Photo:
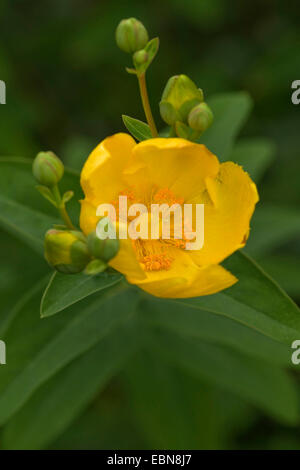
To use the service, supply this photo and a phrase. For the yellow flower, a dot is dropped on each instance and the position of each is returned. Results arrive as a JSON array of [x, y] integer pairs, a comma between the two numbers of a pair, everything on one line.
[[171, 170]]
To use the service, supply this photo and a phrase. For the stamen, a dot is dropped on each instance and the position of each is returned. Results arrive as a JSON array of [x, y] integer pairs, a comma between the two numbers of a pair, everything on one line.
[[165, 195], [156, 262]]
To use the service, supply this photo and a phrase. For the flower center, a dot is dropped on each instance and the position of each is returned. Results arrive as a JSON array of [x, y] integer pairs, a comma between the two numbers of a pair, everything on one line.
[[153, 254]]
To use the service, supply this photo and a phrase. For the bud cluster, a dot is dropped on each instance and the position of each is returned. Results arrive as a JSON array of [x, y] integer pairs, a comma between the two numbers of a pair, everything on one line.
[[70, 252], [182, 106], [67, 249], [132, 37]]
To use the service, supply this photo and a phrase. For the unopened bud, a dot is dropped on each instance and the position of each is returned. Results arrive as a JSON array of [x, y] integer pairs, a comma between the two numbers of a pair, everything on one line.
[[102, 249], [140, 57], [179, 97], [47, 169], [66, 250], [131, 35], [200, 117]]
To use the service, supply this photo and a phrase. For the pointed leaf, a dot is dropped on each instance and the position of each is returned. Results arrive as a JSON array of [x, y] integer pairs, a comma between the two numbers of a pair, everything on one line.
[[140, 130], [67, 196], [64, 290], [215, 329], [57, 403], [255, 300], [267, 387], [52, 344]]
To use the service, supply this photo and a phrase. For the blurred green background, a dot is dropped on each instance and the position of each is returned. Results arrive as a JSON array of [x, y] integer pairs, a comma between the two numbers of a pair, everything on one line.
[[66, 90]]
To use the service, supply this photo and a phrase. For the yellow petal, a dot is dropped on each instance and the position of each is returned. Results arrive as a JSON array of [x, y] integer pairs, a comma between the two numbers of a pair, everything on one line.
[[227, 213], [88, 219], [101, 177], [126, 262], [176, 164], [186, 279]]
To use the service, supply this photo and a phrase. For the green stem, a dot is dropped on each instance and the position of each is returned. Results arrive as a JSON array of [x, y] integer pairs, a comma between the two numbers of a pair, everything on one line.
[[62, 208], [146, 104]]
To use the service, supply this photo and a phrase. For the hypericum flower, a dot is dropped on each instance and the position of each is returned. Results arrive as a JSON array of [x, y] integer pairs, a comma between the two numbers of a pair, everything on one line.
[[171, 170]]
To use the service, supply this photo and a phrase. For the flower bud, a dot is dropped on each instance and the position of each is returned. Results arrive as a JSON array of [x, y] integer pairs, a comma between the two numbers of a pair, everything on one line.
[[179, 97], [47, 169], [200, 117], [131, 35], [140, 57], [66, 251], [102, 249]]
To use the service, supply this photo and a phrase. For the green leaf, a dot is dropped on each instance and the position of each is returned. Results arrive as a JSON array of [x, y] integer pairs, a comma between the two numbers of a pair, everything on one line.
[[152, 49], [25, 223], [215, 329], [285, 269], [254, 155], [230, 113], [23, 212], [265, 386], [64, 290], [67, 196], [271, 226], [140, 130], [168, 404], [131, 70], [52, 344], [12, 278], [58, 402], [255, 300]]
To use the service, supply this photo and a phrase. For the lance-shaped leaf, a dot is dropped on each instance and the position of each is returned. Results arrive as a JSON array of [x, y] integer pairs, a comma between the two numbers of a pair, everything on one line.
[[51, 344], [255, 301], [140, 130], [267, 387], [64, 290], [54, 406]]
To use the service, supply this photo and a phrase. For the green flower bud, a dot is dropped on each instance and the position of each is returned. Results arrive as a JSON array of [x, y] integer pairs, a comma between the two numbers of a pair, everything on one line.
[[131, 35], [140, 57], [168, 113], [47, 169], [102, 249], [179, 97], [66, 250], [200, 117]]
